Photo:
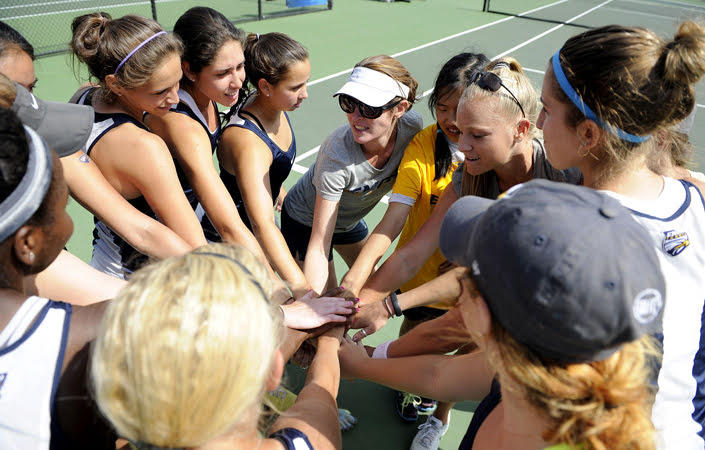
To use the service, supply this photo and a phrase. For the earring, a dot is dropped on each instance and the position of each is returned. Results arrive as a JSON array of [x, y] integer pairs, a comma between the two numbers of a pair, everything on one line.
[[31, 256]]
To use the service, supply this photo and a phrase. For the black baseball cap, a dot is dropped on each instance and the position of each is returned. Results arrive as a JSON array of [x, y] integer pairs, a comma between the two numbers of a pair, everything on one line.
[[565, 269], [65, 126]]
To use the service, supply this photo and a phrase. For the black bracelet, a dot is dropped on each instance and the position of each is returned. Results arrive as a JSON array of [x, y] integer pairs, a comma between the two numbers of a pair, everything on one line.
[[395, 303]]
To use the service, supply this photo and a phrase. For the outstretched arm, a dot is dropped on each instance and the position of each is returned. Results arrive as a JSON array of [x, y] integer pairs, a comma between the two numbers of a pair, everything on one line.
[[316, 263], [251, 162], [90, 188], [315, 411], [377, 243], [445, 378], [406, 262]]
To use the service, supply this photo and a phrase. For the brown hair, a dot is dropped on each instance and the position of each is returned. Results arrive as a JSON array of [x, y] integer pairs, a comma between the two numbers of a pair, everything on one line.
[[102, 43], [634, 81], [269, 56], [514, 78], [392, 68]]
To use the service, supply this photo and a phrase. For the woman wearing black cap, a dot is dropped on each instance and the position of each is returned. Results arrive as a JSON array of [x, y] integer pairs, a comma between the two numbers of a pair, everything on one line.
[[563, 361]]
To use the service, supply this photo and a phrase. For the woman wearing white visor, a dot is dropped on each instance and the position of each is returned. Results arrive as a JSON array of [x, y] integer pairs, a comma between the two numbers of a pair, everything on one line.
[[356, 165]]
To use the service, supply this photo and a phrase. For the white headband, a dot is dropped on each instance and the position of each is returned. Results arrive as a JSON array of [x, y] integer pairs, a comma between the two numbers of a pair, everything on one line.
[[25, 200], [373, 88]]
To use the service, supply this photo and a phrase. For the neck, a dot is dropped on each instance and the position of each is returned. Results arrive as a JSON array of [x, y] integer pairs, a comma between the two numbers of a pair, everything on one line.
[[128, 108], [203, 103], [242, 436], [264, 110], [522, 425], [383, 145], [520, 167], [635, 180]]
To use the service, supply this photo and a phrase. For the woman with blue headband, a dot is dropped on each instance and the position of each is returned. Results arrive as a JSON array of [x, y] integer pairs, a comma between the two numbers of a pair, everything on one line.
[[607, 94], [38, 336]]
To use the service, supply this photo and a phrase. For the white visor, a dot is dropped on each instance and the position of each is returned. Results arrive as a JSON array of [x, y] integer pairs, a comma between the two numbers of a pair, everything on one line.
[[372, 88]]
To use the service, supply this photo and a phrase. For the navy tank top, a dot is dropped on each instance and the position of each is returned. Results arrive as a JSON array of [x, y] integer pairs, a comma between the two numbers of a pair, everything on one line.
[[111, 253], [282, 161], [292, 439], [483, 410], [187, 106]]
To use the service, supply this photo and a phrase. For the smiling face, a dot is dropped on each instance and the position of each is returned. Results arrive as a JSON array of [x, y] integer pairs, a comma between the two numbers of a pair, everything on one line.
[[222, 79], [446, 111], [375, 132], [560, 139], [159, 93], [290, 92], [19, 67], [486, 137]]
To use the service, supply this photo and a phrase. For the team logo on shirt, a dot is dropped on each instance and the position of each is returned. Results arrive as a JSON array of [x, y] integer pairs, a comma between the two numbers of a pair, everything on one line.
[[675, 242], [2, 380]]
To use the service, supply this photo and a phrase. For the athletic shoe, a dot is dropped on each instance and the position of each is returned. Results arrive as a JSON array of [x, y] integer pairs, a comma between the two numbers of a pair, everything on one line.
[[345, 419], [427, 406], [429, 435], [406, 405]]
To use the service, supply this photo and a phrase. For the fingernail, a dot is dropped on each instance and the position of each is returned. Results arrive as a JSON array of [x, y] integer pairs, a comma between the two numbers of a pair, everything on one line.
[[357, 299], [341, 287], [357, 309]]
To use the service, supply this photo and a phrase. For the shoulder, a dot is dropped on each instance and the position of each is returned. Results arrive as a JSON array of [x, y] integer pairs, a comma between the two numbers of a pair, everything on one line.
[[423, 144], [412, 120], [339, 145]]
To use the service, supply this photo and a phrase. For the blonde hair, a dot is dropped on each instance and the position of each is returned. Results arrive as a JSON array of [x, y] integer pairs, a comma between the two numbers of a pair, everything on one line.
[[513, 77], [184, 350], [393, 68], [599, 404], [634, 81]]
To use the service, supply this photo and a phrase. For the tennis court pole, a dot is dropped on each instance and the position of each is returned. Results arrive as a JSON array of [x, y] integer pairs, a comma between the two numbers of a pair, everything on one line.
[[485, 5]]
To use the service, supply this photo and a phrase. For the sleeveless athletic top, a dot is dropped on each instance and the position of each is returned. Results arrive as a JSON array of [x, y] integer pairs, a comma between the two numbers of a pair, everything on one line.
[[483, 410], [111, 253], [292, 439], [187, 106], [676, 222], [282, 161], [32, 349]]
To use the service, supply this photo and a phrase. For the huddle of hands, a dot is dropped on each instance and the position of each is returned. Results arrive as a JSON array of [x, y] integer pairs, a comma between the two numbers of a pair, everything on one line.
[[327, 318]]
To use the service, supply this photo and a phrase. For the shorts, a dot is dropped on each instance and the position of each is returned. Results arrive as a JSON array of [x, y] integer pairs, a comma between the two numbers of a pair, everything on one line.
[[297, 236]]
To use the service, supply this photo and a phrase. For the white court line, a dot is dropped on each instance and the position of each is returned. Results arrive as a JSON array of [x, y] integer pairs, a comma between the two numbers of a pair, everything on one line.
[[447, 38], [427, 92], [679, 5]]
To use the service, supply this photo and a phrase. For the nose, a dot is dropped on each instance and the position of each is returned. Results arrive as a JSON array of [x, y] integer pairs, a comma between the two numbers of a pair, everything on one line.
[[173, 95], [304, 93], [464, 144], [539, 122]]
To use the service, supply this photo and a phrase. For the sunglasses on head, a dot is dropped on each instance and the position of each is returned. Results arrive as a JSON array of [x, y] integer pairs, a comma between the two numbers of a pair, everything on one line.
[[492, 82], [348, 105]]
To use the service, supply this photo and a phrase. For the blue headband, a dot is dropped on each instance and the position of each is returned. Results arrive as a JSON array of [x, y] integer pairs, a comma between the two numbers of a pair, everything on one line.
[[584, 108]]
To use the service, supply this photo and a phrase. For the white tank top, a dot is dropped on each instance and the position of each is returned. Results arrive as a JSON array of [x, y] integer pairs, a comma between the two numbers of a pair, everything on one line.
[[676, 222], [31, 356]]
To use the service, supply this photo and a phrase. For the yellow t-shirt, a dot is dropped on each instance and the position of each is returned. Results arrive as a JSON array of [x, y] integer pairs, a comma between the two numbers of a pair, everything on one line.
[[415, 184]]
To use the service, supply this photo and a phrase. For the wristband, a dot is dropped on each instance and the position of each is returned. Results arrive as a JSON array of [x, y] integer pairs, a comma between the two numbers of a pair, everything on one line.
[[386, 308], [381, 351], [395, 303]]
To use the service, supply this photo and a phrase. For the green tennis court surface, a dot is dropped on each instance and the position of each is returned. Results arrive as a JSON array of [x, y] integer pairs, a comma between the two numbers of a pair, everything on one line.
[[422, 34]]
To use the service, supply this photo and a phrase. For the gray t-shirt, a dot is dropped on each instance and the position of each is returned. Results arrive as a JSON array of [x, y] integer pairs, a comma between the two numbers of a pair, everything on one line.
[[342, 174], [542, 169]]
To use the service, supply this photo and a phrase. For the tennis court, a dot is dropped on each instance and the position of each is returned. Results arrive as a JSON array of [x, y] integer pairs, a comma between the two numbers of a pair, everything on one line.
[[422, 34]]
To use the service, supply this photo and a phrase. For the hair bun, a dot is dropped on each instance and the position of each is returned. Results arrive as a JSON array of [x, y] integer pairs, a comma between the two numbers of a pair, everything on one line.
[[684, 56]]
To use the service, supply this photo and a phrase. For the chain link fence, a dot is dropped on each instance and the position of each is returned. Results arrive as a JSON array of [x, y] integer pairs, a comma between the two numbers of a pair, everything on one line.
[[47, 24]]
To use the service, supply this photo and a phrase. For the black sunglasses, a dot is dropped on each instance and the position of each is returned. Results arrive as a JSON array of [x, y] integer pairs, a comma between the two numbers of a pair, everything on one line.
[[492, 82], [348, 105]]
